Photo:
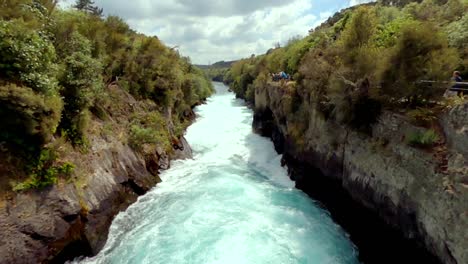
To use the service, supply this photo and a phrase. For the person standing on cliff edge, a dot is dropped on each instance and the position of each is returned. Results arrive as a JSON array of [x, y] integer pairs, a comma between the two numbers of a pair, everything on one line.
[[457, 79]]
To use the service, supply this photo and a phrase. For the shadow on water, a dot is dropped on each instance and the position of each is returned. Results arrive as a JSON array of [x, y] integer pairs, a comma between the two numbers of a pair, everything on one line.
[[377, 241]]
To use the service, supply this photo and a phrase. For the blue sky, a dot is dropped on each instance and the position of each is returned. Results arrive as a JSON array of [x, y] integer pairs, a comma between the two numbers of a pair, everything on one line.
[[212, 30]]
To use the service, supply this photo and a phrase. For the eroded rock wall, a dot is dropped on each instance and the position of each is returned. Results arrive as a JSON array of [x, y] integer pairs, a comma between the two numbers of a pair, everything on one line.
[[72, 218], [421, 193]]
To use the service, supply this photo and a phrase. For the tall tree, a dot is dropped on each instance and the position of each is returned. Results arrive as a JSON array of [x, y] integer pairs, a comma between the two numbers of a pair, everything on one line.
[[88, 6]]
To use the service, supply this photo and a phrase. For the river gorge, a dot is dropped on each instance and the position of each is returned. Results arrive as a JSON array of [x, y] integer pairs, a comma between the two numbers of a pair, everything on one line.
[[324, 133], [232, 203]]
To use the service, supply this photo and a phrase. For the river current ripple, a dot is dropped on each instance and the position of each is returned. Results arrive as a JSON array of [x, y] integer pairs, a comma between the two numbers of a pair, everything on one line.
[[231, 203]]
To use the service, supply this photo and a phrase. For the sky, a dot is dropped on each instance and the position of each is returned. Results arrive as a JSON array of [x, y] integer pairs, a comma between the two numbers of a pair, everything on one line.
[[214, 30]]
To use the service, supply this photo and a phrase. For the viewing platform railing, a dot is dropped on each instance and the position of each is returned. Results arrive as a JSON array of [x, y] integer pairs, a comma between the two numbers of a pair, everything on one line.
[[452, 86]]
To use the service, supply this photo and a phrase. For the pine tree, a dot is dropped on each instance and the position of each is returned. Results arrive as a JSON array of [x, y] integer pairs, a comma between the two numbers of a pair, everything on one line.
[[83, 5], [88, 6]]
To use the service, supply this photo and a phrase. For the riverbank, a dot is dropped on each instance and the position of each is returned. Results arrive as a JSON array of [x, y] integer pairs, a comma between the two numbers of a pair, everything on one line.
[[399, 203], [72, 218]]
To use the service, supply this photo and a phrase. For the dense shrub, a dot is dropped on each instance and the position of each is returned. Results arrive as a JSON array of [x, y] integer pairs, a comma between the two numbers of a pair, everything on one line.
[[44, 171], [355, 49], [275, 61], [217, 74], [294, 51], [245, 72], [457, 33], [387, 35], [27, 57], [27, 117], [81, 82], [421, 53], [149, 129], [317, 69], [458, 39], [54, 65], [195, 89], [34, 12], [359, 31]]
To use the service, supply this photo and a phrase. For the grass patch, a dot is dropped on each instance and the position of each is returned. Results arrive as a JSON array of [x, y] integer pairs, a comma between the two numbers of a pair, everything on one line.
[[44, 172], [423, 139]]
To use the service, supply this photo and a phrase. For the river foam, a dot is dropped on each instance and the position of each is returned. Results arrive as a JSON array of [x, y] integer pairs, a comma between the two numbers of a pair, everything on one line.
[[233, 203]]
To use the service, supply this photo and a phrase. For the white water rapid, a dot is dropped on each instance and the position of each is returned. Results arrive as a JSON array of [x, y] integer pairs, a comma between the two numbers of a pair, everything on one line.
[[233, 203]]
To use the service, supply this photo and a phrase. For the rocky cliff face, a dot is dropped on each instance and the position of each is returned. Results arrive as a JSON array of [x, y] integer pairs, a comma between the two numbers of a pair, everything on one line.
[[419, 193], [72, 218]]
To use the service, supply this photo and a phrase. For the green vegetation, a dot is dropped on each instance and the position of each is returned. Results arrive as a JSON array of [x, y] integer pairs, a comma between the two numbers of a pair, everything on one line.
[[366, 59], [55, 68], [43, 171], [422, 116], [149, 129], [423, 139], [217, 74], [218, 70]]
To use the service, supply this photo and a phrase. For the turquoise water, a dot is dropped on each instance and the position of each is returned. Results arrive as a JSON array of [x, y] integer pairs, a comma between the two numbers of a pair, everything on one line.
[[233, 203]]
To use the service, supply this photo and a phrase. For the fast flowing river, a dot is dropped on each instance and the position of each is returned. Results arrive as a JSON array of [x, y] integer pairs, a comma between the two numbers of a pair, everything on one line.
[[233, 203]]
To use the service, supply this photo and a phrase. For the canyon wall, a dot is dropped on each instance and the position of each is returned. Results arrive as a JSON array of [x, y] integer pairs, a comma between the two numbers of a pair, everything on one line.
[[420, 193], [72, 217]]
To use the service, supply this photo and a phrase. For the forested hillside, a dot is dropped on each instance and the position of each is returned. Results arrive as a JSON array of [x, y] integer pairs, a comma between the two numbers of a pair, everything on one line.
[[63, 78], [217, 70], [367, 58]]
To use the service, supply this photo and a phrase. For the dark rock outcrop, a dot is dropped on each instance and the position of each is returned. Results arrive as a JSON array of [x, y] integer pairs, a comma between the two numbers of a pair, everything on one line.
[[182, 150], [400, 204], [72, 219]]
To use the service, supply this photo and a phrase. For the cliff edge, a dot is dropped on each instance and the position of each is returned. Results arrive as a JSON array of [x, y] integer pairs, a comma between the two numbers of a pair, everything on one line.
[[71, 218], [422, 193]]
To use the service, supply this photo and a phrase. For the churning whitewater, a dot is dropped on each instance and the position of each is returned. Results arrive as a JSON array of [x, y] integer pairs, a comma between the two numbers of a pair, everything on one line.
[[233, 203]]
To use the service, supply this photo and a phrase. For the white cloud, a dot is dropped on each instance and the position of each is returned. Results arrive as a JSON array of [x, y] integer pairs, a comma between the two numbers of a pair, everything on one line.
[[357, 2], [213, 30]]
